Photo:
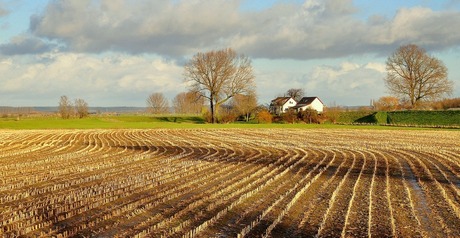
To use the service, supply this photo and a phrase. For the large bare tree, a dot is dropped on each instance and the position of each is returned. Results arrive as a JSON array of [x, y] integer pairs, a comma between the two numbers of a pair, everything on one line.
[[188, 102], [81, 108], [296, 93], [65, 107], [218, 76], [414, 75], [157, 103]]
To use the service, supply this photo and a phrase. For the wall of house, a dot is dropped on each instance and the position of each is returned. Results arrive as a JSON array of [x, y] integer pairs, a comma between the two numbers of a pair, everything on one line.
[[317, 105], [290, 103]]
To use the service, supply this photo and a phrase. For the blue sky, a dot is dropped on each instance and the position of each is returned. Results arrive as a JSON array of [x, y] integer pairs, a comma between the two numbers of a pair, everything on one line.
[[115, 53]]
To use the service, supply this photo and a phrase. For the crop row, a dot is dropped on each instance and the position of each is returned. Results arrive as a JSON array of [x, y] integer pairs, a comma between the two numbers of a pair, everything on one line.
[[231, 183]]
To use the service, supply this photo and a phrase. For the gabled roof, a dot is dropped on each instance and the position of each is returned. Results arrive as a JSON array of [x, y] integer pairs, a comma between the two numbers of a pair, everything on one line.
[[280, 101], [308, 100]]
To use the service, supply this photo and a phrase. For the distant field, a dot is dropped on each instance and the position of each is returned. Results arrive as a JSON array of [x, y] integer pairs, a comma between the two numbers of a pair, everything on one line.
[[101, 122], [229, 183], [144, 122]]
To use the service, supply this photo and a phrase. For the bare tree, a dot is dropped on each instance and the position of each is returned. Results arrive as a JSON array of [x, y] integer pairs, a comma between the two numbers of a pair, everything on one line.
[[387, 104], [188, 102], [157, 103], [65, 107], [414, 75], [218, 76], [296, 93], [81, 108], [245, 104]]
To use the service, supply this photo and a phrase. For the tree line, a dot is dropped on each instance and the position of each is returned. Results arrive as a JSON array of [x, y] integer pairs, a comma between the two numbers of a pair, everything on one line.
[[391, 103], [79, 108], [239, 105], [224, 81]]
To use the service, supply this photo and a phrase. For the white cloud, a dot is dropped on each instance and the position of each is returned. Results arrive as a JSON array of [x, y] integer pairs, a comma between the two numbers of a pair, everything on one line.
[[109, 80], [349, 84], [379, 67]]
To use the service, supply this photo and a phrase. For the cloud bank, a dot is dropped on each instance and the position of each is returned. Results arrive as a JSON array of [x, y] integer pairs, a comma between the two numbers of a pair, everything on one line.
[[174, 28], [26, 44]]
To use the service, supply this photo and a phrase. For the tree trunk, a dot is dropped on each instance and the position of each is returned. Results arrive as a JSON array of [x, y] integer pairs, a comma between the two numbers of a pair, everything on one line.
[[211, 100]]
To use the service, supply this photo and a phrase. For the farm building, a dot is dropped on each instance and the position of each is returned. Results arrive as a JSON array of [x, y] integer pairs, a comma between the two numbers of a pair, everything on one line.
[[281, 104], [310, 103]]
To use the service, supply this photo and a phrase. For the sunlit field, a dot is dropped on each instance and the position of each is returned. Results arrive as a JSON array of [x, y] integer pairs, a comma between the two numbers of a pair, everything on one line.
[[229, 183]]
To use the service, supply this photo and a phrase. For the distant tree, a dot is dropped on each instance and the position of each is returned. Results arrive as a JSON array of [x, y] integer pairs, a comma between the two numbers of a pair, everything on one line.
[[65, 107], [157, 103], [296, 93], [446, 104], [245, 104], [451, 103], [416, 76], [387, 104], [218, 76], [188, 102], [81, 108]]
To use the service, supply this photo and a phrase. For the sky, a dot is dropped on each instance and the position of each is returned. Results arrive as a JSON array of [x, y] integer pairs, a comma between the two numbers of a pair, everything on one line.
[[117, 52]]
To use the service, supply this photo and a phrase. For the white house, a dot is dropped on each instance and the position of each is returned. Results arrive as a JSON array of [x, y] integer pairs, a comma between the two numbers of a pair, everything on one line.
[[310, 103], [281, 104]]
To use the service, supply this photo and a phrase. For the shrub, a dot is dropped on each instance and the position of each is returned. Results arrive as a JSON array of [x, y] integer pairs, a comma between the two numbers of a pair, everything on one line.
[[264, 116], [227, 117], [309, 116], [207, 116], [332, 114], [290, 116]]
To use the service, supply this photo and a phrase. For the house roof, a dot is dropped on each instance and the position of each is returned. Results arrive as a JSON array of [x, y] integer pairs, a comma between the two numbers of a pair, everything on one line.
[[308, 100], [280, 101]]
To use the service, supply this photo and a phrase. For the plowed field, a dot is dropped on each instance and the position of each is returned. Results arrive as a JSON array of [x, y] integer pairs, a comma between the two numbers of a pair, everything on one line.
[[230, 183]]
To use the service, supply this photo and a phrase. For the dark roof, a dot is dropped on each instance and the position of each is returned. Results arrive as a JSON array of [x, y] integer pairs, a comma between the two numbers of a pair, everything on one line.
[[279, 101], [307, 100]]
